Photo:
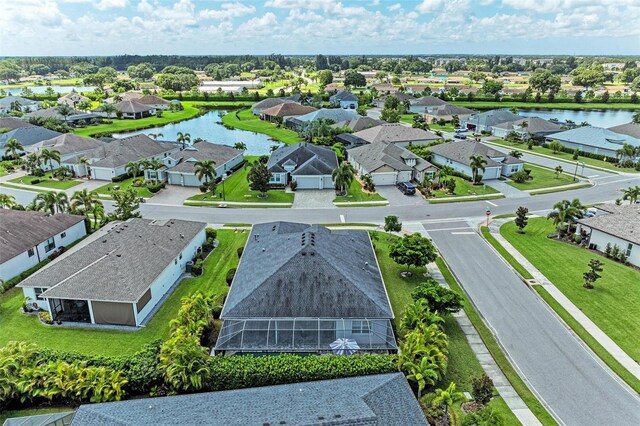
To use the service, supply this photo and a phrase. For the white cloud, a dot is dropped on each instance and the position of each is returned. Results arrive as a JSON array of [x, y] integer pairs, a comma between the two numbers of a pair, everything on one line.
[[430, 6], [227, 11], [394, 7], [111, 4]]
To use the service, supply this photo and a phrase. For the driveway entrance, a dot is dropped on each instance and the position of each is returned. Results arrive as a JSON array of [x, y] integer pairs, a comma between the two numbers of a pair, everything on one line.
[[314, 199]]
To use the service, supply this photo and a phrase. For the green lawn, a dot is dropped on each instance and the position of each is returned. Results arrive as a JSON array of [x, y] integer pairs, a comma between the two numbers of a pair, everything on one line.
[[19, 327], [446, 128], [505, 254], [559, 105], [356, 194], [542, 178], [142, 191], [47, 181], [236, 189], [614, 304], [465, 188], [570, 168], [245, 120]]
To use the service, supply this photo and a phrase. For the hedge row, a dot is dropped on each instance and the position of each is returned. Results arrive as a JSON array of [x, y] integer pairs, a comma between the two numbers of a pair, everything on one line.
[[9, 284]]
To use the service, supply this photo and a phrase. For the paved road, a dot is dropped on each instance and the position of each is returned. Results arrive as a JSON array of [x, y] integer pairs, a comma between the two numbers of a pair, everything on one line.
[[576, 386]]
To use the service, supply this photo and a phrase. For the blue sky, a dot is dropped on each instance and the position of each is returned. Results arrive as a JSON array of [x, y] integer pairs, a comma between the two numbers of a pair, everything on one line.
[[102, 27]]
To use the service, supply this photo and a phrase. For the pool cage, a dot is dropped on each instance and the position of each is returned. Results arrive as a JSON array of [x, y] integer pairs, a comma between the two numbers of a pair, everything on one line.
[[304, 335]]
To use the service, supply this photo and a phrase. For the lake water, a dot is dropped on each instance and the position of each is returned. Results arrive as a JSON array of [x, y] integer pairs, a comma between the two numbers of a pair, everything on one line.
[[58, 89], [208, 127], [597, 118]]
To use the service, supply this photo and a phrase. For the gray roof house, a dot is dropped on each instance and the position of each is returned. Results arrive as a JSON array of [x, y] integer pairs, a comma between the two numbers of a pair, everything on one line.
[[344, 99], [333, 114], [484, 121], [28, 135], [72, 99], [260, 106], [382, 399], [446, 113], [630, 129], [130, 109], [71, 148], [397, 134], [359, 123], [12, 123], [425, 104], [295, 290], [524, 127], [379, 102], [74, 118], [389, 164], [457, 156], [596, 140], [309, 165], [118, 274], [8, 101]]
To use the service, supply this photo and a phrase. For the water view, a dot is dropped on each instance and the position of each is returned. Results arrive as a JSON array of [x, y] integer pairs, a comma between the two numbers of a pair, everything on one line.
[[208, 127], [598, 118], [16, 91]]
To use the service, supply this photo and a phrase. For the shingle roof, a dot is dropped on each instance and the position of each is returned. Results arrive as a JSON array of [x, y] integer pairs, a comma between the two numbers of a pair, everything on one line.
[[398, 95], [359, 123], [54, 113], [448, 109], [118, 152], [343, 95], [493, 117], [131, 107], [8, 100], [258, 107], [596, 137], [22, 230], [151, 100], [392, 133], [287, 109], [373, 156], [622, 222], [297, 270], [187, 158], [460, 151], [68, 143], [13, 123], [310, 159], [28, 135], [428, 101], [375, 400], [534, 125], [117, 265], [72, 98], [629, 129], [335, 114]]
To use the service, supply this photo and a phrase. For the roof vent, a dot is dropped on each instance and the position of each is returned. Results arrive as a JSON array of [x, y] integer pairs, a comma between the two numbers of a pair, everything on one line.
[[320, 418], [118, 255], [181, 235], [104, 241], [264, 249]]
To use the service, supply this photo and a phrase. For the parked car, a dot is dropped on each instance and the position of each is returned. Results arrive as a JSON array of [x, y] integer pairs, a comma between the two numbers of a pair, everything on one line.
[[407, 188], [461, 130], [459, 136]]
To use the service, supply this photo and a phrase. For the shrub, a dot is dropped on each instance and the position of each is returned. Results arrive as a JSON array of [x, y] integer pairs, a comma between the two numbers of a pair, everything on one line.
[[230, 274], [204, 188], [293, 185], [156, 186], [577, 238], [439, 299], [240, 251], [45, 317], [137, 182], [520, 177], [482, 389], [38, 172], [211, 233], [35, 181], [120, 178], [208, 244], [607, 250], [197, 267]]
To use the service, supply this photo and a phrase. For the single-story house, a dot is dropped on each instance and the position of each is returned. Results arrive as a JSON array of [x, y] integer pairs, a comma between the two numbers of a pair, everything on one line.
[[75, 118], [595, 140], [349, 140], [27, 238], [180, 166], [484, 121], [279, 112], [457, 156], [344, 99], [299, 288], [309, 165], [10, 103], [335, 115], [527, 127], [72, 99], [379, 399], [630, 129], [398, 134], [379, 102], [12, 123], [130, 109], [260, 106], [425, 104], [616, 226], [27, 135], [389, 164], [117, 275], [446, 113], [153, 101], [360, 123], [71, 148]]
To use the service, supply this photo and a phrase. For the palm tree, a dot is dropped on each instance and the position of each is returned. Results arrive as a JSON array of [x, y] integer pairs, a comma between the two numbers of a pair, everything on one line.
[[632, 194], [477, 162], [133, 168], [97, 210], [627, 151], [418, 313], [515, 153], [240, 145], [83, 201], [205, 170], [12, 147], [183, 138], [566, 211], [49, 156], [32, 162], [155, 136], [85, 162], [423, 373], [108, 109], [446, 398], [342, 177], [61, 202], [45, 201], [7, 201], [65, 111]]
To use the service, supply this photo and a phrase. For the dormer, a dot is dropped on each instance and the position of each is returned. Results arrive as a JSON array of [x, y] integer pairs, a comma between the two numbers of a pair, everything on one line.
[[289, 165], [409, 159]]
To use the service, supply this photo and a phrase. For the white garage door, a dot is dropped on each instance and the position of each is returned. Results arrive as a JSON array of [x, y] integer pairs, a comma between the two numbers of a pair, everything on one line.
[[384, 178], [309, 182]]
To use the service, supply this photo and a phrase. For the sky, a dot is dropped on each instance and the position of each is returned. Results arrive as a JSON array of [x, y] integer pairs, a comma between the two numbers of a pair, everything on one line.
[[307, 27]]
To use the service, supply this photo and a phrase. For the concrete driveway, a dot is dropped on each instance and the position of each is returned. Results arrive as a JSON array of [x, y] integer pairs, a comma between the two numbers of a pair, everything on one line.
[[314, 199], [397, 198], [175, 195]]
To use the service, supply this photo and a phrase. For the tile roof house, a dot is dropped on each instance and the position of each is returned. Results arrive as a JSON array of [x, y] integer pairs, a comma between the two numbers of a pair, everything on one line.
[[457, 156], [309, 165], [397, 134], [525, 127], [286, 109], [484, 121], [295, 290], [8, 102], [28, 135], [630, 129], [615, 226], [344, 99], [27, 238], [389, 164], [595, 140], [118, 274], [382, 399]]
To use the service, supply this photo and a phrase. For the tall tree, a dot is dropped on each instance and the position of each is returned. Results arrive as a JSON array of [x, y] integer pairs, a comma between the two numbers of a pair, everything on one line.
[[206, 170], [83, 201], [566, 212], [259, 177], [184, 138], [413, 250], [45, 201], [13, 147], [632, 194], [342, 177], [240, 145], [49, 156], [392, 224], [65, 111], [477, 162], [7, 201], [133, 168], [126, 204], [521, 219]]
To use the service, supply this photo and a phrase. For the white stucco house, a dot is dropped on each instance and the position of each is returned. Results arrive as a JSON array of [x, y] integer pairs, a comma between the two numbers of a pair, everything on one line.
[[396, 134], [344, 100], [27, 238], [309, 165], [595, 140]]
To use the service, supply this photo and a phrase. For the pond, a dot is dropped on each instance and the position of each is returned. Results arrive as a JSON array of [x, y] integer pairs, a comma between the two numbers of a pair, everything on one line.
[[597, 118], [208, 126], [16, 91]]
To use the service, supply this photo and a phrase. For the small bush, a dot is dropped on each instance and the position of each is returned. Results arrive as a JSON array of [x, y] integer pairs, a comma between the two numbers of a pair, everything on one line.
[[35, 181], [577, 238], [520, 177], [208, 244], [38, 172], [197, 267], [293, 185], [211, 233], [120, 178], [204, 188], [482, 389], [45, 317], [230, 274], [240, 251], [155, 187]]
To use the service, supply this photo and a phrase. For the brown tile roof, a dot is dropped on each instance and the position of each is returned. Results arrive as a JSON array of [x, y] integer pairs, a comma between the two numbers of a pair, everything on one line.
[[288, 109]]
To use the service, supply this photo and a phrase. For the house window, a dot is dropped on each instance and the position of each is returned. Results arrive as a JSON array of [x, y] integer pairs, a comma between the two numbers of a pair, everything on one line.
[[276, 178], [360, 327], [49, 245], [629, 247], [30, 252], [64, 234], [514, 169], [38, 291], [431, 174]]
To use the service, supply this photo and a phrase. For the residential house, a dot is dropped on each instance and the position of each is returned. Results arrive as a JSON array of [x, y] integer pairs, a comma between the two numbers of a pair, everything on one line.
[[344, 100], [28, 135], [71, 148], [595, 140], [27, 238], [457, 156], [614, 226], [334, 115], [425, 104], [12, 123], [379, 102], [74, 119], [527, 127], [309, 165], [380, 399], [397, 134], [299, 288], [129, 109], [117, 275], [359, 123], [484, 121], [11, 103], [180, 166], [630, 129], [446, 113], [277, 113], [234, 86], [153, 101], [389, 163], [258, 107], [72, 99]]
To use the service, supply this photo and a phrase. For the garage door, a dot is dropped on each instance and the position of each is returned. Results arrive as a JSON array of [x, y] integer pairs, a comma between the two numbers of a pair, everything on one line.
[[309, 182], [384, 178]]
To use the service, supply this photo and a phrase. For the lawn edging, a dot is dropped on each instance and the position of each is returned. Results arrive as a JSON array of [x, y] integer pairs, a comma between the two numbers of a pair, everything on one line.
[[465, 198], [551, 190], [360, 203]]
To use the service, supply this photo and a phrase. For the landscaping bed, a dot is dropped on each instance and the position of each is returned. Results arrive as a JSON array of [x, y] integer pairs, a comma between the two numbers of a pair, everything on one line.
[[141, 191], [46, 181], [355, 194]]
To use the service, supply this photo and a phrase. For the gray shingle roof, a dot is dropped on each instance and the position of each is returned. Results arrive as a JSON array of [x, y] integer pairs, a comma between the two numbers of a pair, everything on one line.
[[460, 151], [22, 230], [535, 125], [335, 114], [393, 133], [596, 137], [622, 222], [359, 123], [117, 265], [493, 117], [13, 123], [310, 159], [151, 100], [28, 135], [8, 100], [373, 156], [54, 113], [288, 109], [69, 143], [343, 95], [258, 107], [427, 101], [297, 270], [118, 152], [131, 107], [629, 129], [376, 400], [202, 151], [448, 109]]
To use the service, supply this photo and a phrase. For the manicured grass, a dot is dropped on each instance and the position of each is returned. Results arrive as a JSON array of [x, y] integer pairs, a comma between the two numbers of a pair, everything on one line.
[[356, 194], [19, 327], [614, 304], [245, 120], [142, 191], [47, 181], [446, 128], [465, 188], [32, 189], [542, 178], [596, 347], [559, 105], [236, 189], [552, 190], [505, 254], [496, 352], [570, 168]]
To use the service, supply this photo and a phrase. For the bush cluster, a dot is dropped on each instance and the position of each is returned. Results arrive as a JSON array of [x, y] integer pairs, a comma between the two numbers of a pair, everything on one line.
[[120, 178], [230, 274], [155, 186], [9, 284]]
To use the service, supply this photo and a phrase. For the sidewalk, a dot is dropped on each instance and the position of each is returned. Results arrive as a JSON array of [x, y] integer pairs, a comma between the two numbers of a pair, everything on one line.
[[607, 343]]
